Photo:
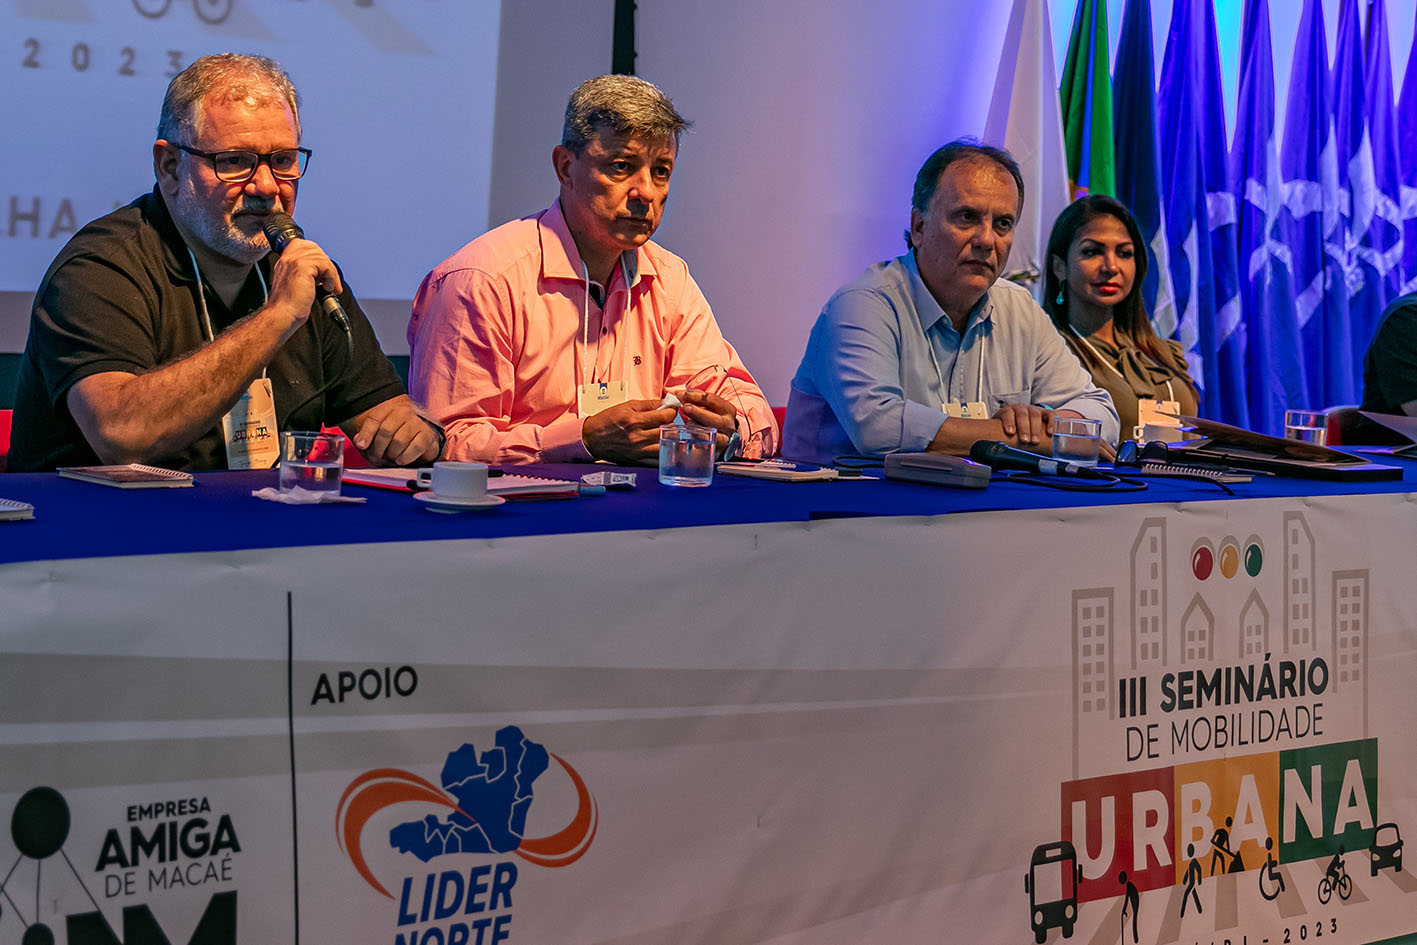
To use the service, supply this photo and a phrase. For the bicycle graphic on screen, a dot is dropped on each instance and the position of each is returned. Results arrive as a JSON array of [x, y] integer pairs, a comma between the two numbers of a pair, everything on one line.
[[208, 11]]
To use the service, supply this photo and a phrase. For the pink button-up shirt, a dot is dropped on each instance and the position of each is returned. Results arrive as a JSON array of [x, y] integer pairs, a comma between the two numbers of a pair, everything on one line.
[[500, 339]]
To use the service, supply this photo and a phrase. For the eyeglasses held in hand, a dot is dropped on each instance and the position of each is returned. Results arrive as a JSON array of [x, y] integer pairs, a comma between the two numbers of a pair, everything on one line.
[[715, 379], [237, 167]]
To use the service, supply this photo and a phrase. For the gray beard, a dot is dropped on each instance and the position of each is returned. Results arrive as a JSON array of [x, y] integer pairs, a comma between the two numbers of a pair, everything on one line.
[[219, 236]]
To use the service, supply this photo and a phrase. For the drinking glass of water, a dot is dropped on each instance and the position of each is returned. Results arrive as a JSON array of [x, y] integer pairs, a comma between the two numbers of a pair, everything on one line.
[[686, 454], [1306, 426], [312, 462], [1076, 440]]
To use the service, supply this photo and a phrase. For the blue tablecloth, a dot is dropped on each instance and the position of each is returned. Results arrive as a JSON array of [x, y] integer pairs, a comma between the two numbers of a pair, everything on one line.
[[77, 519], [871, 721]]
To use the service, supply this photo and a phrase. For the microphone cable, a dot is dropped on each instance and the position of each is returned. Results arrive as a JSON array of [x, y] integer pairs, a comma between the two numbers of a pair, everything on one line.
[[1103, 482]]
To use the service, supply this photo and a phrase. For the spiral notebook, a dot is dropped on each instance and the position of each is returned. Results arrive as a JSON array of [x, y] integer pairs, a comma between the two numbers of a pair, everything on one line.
[[13, 511], [780, 470], [1182, 470], [129, 476]]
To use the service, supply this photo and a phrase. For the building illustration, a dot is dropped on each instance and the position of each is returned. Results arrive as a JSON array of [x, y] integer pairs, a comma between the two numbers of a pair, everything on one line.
[[1113, 658], [1299, 584]]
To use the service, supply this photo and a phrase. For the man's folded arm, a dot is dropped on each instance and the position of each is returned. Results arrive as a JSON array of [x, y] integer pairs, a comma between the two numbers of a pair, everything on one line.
[[140, 417], [491, 440], [861, 381], [957, 434]]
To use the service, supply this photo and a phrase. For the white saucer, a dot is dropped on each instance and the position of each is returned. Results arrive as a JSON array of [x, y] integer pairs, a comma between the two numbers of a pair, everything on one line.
[[437, 503]]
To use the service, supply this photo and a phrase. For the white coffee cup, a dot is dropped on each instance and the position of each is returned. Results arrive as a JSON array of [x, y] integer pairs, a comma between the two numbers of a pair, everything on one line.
[[450, 479]]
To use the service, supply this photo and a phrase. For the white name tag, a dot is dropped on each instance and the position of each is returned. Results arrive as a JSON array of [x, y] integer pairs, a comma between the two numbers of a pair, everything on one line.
[[974, 410], [591, 399], [249, 429], [1153, 413]]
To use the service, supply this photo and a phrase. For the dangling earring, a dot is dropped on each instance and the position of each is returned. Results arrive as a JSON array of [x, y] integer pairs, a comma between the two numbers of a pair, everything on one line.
[[1059, 299]]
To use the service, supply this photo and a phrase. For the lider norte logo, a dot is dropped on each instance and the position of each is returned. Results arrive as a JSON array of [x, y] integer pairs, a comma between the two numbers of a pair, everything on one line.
[[487, 798]]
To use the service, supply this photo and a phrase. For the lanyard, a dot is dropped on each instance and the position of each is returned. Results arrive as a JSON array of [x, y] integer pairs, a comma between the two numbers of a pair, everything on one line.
[[1112, 367], [979, 378], [202, 296], [585, 326]]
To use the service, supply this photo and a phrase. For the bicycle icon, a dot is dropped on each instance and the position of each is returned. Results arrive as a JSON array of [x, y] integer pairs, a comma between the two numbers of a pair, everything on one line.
[[1327, 886], [208, 11]]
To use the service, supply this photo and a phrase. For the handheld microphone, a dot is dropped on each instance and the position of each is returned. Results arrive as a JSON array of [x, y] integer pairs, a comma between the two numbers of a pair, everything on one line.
[[280, 229], [998, 455]]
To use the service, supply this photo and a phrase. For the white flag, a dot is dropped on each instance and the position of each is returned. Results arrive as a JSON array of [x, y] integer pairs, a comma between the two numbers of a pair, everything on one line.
[[1025, 117]]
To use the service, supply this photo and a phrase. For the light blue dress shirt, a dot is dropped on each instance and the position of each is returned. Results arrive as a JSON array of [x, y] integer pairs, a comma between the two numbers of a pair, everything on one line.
[[883, 358]]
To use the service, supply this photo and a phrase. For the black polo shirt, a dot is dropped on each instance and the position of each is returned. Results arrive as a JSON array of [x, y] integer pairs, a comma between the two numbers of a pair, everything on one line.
[[122, 296]]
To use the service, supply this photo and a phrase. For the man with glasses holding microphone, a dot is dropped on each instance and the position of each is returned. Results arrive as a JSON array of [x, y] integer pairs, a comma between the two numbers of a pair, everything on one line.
[[168, 332]]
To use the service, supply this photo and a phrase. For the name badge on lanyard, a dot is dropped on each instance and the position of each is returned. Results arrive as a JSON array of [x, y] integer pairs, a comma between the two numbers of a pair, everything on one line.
[[973, 410], [249, 429], [1154, 411], [594, 397]]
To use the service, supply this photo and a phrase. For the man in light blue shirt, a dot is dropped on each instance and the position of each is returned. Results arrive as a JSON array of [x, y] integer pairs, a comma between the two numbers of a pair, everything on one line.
[[928, 351]]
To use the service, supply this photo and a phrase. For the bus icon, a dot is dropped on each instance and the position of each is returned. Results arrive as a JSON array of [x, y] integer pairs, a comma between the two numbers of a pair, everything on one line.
[[1051, 884]]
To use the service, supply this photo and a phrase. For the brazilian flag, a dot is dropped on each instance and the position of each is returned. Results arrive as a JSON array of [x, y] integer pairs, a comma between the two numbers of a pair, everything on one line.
[[1086, 100]]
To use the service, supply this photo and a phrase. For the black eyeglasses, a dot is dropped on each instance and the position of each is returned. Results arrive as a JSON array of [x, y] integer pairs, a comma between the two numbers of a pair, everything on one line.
[[237, 167]]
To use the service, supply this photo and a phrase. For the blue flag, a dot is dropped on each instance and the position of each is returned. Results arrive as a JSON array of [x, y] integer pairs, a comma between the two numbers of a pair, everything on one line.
[[1382, 246], [1138, 158], [1220, 207], [1187, 221], [1407, 147], [1200, 212], [1311, 221], [1274, 362], [1357, 188]]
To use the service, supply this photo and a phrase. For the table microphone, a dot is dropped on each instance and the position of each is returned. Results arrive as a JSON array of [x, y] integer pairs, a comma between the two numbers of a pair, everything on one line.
[[280, 229], [998, 455]]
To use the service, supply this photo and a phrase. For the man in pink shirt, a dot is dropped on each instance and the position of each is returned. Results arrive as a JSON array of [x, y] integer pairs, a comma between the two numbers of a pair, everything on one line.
[[554, 338]]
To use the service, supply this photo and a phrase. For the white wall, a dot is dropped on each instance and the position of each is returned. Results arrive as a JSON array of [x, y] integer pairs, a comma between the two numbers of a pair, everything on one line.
[[811, 121], [548, 47]]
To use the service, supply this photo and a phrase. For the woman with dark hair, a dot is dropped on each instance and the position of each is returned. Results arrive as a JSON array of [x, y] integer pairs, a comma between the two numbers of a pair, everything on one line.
[[1092, 291]]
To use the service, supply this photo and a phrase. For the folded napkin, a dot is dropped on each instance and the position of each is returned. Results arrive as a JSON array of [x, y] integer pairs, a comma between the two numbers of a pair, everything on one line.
[[299, 496]]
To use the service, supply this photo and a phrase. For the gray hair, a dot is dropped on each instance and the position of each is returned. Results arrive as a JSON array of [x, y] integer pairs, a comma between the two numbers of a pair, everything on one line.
[[231, 77], [960, 149], [626, 104]]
